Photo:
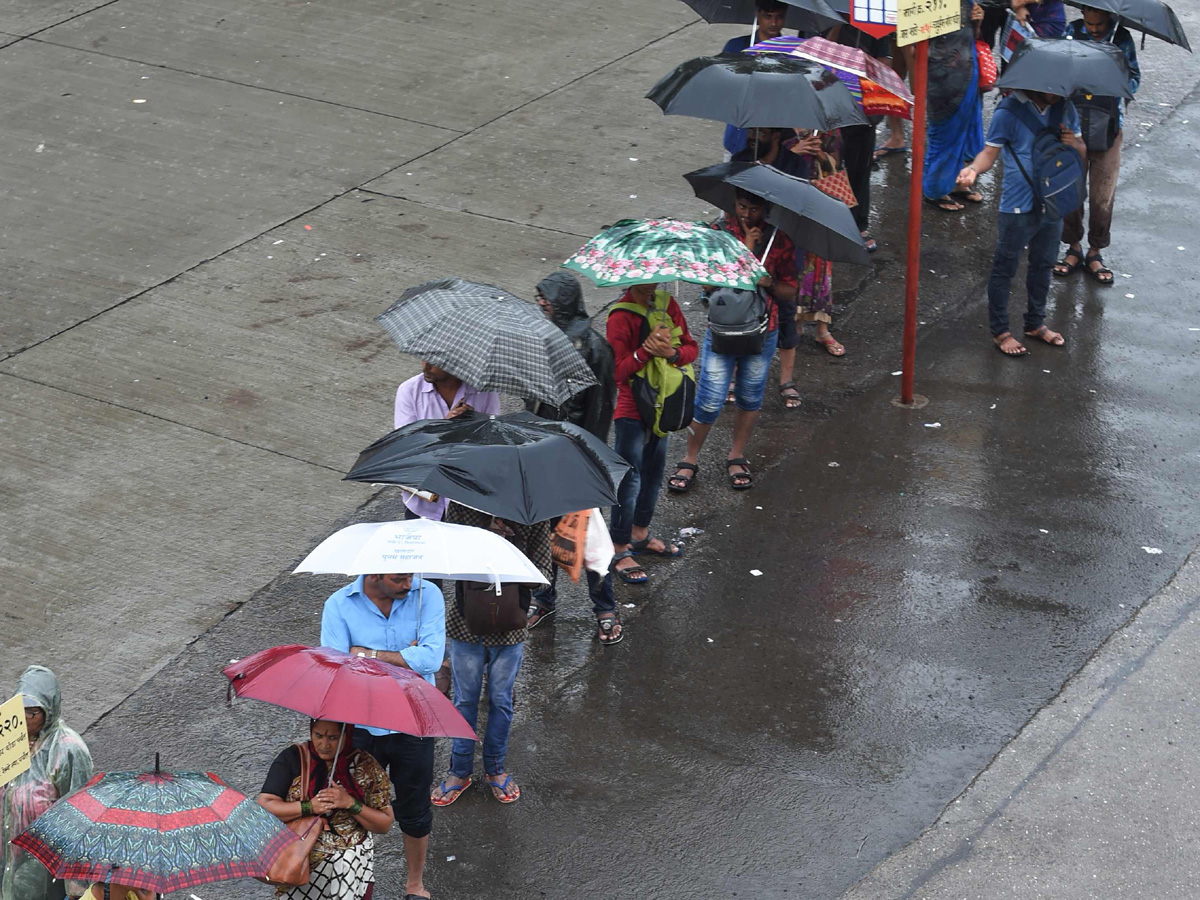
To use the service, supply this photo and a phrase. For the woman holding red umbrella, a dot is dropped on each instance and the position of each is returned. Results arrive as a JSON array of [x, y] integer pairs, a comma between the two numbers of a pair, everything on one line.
[[356, 801]]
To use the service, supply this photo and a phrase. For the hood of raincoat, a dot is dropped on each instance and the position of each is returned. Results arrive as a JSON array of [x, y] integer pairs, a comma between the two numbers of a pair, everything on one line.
[[563, 292], [60, 764], [40, 688]]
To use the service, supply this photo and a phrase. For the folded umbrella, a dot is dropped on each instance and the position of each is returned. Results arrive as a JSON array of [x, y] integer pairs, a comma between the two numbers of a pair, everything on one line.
[[1152, 17], [803, 15], [488, 338], [647, 251], [517, 467], [815, 221], [162, 831], [323, 683], [433, 549], [765, 91], [1064, 67]]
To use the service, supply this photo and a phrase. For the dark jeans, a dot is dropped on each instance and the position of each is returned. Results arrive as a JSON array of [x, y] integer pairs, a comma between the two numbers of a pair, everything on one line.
[[409, 763], [600, 590], [1016, 231], [858, 152], [638, 495]]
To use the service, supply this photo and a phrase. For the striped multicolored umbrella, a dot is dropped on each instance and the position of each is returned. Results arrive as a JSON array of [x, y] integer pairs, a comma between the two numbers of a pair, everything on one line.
[[161, 831], [879, 90], [647, 251]]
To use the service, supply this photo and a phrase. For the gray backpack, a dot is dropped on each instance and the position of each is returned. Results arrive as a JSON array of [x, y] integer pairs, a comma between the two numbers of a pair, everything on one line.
[[737, 321]]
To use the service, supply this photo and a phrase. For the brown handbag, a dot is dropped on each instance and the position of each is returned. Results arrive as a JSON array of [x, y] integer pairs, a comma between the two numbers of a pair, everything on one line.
[[486, 612], [291, 867]]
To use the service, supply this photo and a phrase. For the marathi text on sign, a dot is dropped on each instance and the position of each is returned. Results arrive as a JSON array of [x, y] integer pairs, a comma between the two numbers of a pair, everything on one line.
[[920, 20], [14, 739]]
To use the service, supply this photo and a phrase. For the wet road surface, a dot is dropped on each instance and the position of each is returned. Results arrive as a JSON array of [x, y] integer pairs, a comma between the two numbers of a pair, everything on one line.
[[778, 735]]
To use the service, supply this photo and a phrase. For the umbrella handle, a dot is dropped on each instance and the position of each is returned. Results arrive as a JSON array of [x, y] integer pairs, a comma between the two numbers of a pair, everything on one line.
[[336, 753], [769, 245]]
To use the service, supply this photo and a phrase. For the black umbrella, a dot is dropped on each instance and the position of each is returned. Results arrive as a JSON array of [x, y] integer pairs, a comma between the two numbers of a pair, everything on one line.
[[1153, 17], [815, 221], [1065, 67], [767, 91], [804, 15], [518, 467]]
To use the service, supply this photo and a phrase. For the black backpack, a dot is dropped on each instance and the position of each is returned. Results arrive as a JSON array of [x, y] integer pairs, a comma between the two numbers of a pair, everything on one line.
[[1099, 120], [737, 321]]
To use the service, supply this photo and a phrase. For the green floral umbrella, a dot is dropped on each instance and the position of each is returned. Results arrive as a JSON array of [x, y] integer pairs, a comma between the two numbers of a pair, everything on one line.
[[645, 251]]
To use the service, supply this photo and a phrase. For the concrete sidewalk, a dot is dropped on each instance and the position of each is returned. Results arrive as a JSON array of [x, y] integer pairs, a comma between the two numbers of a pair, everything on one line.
[[1097, 797]]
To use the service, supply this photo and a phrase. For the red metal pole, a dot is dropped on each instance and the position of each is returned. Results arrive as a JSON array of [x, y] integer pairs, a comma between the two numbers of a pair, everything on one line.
[[912, 273]]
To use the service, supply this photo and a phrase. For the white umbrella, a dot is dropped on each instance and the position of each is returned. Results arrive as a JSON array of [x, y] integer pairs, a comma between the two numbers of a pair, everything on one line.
[[422, 546]]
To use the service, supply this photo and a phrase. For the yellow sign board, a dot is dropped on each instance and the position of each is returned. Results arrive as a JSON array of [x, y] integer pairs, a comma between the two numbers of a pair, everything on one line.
[[920, 20], [14, 739]]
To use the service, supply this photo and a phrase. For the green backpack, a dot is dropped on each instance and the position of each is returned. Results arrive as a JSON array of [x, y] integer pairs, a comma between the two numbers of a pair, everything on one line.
[[665, 394]]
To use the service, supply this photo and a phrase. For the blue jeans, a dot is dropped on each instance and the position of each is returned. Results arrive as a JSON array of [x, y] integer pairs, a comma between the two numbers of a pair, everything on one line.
[[1016, 230], [468, 663], [600, 590], [638, 495], [748, 373]]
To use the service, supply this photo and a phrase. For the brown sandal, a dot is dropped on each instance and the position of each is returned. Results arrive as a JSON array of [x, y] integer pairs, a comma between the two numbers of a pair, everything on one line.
[[1042, 333], [1000, 339]]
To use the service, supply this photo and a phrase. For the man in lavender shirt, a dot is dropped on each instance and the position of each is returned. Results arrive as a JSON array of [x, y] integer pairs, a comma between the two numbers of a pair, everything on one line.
[[436, 394]]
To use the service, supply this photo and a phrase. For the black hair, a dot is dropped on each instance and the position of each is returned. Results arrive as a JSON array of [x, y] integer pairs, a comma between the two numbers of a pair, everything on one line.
[[752, 199], [770, 6]]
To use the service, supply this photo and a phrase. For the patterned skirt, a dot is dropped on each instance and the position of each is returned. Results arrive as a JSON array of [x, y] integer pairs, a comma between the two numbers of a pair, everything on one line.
[[346, 875]]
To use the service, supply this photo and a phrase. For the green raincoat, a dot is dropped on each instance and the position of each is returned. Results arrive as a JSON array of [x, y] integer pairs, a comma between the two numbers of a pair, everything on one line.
[[60, 763]]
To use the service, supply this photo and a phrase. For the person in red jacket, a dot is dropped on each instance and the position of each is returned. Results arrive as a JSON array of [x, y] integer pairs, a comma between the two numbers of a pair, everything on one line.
[[635, 441]]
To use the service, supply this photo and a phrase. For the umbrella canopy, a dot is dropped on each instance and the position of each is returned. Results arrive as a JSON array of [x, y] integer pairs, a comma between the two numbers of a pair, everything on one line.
[[1064, 67], [327, 684], [766, 91], [836, 56], [804, 15], [1153, 17], [488, 338], [433, 549], [645, 251], [161, 831], [517, 467], [815, 221]]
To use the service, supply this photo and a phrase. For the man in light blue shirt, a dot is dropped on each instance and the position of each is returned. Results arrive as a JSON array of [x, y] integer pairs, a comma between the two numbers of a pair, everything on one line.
[[400, 620], [1022, 223]]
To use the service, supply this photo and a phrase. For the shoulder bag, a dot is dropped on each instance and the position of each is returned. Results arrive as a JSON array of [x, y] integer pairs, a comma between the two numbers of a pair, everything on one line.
[[291, 867]]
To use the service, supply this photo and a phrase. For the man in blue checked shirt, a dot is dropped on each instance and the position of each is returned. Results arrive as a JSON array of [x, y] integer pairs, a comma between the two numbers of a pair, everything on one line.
[[400, 620]]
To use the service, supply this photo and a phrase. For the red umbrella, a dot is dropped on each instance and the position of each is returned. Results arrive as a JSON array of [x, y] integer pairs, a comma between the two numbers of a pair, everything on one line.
[[327, 684]]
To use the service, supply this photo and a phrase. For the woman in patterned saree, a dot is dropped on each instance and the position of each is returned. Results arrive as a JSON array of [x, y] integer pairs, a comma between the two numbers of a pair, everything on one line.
[[356, 803]]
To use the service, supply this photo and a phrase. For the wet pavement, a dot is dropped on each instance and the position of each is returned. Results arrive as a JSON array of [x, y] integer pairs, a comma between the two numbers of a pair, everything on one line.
[[924, 590]]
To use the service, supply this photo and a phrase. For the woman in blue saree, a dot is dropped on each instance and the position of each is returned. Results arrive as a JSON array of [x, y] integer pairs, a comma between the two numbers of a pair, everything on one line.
[[955, 108]]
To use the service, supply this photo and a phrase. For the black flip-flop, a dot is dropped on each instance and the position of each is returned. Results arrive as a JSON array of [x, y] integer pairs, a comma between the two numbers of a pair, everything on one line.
[[884, 152], [605, 623], [938, 203]]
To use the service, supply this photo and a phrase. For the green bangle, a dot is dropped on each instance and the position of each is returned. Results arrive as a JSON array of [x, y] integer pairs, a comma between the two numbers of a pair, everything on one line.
[[306, 808], [356, 808]]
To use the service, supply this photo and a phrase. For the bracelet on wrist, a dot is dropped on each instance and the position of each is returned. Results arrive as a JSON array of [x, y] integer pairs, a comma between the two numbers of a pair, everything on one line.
[[356, 807], [306, 808]]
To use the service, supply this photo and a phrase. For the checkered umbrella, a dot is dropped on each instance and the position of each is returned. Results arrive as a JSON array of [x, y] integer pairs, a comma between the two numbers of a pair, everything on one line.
[[157, 830], [489, 339]]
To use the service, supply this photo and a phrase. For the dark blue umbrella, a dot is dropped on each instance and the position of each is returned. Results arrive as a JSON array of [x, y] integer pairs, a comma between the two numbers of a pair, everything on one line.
[[1067, 67]]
